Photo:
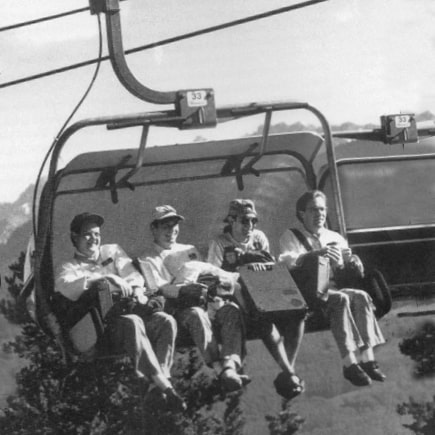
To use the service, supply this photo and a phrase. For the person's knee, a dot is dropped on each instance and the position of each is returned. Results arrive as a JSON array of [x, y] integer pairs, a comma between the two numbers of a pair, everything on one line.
[[340, 299], [194, 317], [229, 310], [362, 298], [162, 325], [131, 324], [165, 321], [265, 329]]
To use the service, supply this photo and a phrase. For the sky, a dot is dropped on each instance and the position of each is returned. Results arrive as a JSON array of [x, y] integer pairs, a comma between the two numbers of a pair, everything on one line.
[[355, 60]]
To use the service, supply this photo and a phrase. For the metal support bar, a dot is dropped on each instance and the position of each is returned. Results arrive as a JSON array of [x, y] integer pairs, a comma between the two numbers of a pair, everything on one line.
[[332, 164], [263, 145], [119, 64], [195, 107], [139, 160]]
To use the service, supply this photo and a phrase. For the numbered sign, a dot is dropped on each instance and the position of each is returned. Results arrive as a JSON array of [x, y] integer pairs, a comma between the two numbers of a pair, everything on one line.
[[196, 98], [402, 121], [196, 107]]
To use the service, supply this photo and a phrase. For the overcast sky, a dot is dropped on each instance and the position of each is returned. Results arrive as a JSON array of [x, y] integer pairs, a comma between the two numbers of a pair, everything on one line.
[[353, 59]]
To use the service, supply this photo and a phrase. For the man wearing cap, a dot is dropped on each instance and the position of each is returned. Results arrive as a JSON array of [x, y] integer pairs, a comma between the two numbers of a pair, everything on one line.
[[221, 340], [242, 243], [97, 266]]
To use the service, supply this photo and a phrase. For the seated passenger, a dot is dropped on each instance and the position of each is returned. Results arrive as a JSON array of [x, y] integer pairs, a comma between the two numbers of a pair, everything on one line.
[[241, 238], [221, 340], [350, 311], [95, 265]]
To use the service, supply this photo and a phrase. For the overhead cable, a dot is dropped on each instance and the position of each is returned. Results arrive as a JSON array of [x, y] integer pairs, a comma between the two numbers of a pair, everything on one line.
[[167, 41], [73, 112], [40, 20]]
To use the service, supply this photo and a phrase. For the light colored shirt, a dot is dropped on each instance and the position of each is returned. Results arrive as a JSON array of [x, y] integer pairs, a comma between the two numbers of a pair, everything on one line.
[[257, 241], [72, 278], [292, 250], [161, 267]]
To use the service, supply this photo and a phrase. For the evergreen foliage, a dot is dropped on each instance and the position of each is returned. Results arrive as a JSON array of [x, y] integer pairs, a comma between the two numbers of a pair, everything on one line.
[[12, 307], [104, 397], [286, 422], [421, 349], [423, 415]]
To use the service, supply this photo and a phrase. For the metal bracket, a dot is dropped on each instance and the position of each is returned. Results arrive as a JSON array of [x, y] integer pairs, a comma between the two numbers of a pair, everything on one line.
[[108, 178], [263, 145], [195, 107], [139, 160], [234, 163]]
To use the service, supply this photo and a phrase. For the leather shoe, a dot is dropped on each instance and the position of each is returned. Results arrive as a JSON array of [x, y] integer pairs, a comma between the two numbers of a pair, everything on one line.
[[232, 381], [288, 385], [356, 375], [372, 369]]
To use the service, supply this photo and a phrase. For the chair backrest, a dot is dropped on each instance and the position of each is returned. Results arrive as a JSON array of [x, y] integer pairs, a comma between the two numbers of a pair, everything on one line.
[[194, 179], [389, 209]]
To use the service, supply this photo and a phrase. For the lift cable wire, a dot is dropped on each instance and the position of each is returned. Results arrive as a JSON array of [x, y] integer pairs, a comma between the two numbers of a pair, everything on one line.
[[42, 19], [56, 139], [167, 41]]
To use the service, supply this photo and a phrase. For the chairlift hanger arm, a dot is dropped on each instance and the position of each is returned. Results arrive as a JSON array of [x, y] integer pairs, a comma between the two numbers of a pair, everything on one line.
[[119, 64], [195, 107]]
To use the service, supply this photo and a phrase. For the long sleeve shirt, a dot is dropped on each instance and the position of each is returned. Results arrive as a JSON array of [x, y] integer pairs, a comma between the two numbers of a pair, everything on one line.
[[292, 250], [257, 241], [161, 267], [73, 276]]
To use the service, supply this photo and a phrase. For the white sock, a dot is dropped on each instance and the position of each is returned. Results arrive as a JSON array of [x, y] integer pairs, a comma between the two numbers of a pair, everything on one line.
[[161, 382], [367, 355], [349, 359]]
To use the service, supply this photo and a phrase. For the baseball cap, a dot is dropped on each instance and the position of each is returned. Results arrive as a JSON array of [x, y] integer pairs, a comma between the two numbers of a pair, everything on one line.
[[165, 212], [80, 219], [241, 208]]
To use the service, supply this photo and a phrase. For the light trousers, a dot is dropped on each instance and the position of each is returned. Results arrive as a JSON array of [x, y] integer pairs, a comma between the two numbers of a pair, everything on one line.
[[150, 343], [352, 320], [218, 340]]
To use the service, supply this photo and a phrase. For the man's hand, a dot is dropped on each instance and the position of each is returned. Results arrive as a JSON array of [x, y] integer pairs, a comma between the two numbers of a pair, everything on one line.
[[333, 252], [139, 295], [356, 264], [121, 284], [346, 253]]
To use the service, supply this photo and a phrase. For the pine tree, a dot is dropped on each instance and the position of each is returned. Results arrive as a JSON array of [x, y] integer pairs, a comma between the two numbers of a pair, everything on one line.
[[421, 349], [12, 307], [103, 396], [285, 422]]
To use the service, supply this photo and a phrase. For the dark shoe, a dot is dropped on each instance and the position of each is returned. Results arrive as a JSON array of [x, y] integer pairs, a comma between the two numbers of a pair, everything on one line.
[[356, 375], [288, 385], [174, 401], [155, 399], [372, 369]]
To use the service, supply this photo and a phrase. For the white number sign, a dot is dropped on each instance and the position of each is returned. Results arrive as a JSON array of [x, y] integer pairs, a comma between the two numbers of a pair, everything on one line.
[[197, 98], [402, 121]]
